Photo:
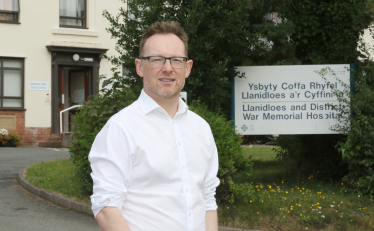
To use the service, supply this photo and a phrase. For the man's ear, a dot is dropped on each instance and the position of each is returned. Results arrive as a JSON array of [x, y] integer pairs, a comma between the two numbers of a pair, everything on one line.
[[138, 65], [188, 68]]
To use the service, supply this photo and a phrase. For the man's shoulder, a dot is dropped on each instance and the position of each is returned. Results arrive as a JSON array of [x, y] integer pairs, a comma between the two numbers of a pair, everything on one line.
[[130, 112], [200, 121]]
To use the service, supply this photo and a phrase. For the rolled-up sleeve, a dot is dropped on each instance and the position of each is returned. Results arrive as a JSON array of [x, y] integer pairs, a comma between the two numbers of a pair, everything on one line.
[[211, 181], [110, 159]]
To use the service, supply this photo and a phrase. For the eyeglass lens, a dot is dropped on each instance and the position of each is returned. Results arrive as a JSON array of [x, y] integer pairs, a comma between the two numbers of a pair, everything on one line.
[[158, 62]]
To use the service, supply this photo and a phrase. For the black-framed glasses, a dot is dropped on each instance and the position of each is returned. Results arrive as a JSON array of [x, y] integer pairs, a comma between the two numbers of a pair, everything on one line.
[[159, 61]]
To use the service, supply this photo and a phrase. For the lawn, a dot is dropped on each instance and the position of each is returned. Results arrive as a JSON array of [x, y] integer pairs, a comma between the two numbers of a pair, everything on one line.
[[57, 176], [292, 202], [286, 201]]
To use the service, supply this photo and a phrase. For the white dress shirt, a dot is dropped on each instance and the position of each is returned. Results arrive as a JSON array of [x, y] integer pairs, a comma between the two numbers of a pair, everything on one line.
[[160, 172]]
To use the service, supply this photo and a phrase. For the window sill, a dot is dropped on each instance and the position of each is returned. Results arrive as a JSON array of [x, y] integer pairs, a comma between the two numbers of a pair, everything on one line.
[[79, 32], [9, 22], [11, 109]]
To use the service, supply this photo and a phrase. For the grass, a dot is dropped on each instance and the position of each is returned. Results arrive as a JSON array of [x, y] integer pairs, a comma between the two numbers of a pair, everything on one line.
[[292, 202], [286, 201], [57, 176]]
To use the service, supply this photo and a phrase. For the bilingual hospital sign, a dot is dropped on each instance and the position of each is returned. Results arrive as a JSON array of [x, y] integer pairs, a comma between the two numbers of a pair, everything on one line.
[[288, 99]]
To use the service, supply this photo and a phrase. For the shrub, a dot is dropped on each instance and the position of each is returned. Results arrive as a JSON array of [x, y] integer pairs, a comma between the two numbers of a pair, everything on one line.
[[358, 150], [313, 155], [231, 161], [90, 120]]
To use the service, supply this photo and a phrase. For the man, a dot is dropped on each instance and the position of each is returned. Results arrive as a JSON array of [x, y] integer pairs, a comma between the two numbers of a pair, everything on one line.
[[154, 164]]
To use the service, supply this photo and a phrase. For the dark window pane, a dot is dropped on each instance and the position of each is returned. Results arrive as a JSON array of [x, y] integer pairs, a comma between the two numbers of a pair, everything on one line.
[[72, 22], [6, 17]]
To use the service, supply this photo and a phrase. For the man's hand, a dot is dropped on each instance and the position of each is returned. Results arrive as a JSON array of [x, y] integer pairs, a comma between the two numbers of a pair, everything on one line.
[[111, 219], [211, 221]]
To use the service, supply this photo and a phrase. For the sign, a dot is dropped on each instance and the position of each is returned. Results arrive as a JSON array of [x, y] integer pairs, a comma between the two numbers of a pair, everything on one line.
[[78, 96], [288, 99], [47, 99], [183, 96], [38, 85]]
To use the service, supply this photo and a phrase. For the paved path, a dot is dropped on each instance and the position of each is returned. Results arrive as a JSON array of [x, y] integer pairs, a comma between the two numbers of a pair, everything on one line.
[[22, 210]]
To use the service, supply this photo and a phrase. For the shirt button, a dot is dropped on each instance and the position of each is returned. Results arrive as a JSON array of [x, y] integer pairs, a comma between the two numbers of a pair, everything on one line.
[[179, 143], [186, 190], [189, 214], [183, 167]]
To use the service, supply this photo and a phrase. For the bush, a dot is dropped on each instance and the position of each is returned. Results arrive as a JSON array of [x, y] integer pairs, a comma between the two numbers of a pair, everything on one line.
[[358, 150], [90, 120], [231, 161], [313, 155]]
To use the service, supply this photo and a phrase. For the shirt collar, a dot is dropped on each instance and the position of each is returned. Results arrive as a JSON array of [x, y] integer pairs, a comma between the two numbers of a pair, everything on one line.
[[147, 104]]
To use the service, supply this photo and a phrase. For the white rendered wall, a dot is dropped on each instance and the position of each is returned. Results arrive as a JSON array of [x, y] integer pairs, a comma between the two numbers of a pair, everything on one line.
[[38, 28], [367, 37]]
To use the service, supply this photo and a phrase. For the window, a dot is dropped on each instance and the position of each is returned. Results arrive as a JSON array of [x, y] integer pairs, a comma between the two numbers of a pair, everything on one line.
[[9, 10], [11, 83], [73, 13]]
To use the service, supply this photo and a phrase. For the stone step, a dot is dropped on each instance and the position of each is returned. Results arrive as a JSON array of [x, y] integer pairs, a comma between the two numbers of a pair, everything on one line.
[[55, 139]]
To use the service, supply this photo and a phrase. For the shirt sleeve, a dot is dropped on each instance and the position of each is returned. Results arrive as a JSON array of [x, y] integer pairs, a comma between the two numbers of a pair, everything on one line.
[[110, 158], [212, 181]]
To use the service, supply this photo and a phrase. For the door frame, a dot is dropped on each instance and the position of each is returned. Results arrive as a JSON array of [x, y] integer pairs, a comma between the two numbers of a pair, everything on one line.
[[63, 56]]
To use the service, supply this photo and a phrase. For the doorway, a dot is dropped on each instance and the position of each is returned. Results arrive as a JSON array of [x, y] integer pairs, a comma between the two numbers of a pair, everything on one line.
[[73, 90]]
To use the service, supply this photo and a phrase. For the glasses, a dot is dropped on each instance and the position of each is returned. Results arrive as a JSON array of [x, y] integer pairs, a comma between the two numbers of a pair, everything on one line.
[[159, 61]]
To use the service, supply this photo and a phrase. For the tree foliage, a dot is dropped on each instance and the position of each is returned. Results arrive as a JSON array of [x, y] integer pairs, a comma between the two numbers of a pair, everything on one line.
[[358, 149], [325, 32], [222, 34]]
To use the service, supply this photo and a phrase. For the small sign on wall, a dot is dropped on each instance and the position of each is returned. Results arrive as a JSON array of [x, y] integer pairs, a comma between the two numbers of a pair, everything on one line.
[[38, 85]]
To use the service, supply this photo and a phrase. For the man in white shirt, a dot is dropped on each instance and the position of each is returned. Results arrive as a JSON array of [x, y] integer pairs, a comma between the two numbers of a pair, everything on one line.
[[155, 163]]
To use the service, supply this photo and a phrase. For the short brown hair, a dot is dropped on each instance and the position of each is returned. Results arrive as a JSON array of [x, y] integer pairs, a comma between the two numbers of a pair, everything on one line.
[[164, 27]]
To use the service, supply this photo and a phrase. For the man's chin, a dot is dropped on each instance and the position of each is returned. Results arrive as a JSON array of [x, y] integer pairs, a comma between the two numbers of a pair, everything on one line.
[[167, 95]]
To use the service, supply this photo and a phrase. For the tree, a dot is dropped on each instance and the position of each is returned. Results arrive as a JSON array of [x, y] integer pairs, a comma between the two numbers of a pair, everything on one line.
[[222, 34], [325, 32]]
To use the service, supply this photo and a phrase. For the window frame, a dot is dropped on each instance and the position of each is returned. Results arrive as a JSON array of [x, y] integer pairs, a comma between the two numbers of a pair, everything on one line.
[[2, 97], [79, 18], [16, 13]]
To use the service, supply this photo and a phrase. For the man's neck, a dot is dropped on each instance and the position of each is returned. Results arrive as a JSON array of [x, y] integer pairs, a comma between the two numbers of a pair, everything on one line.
[[169, 105]]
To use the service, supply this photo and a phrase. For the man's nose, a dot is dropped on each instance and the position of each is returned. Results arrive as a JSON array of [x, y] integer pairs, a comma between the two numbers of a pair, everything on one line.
[[167, 65]]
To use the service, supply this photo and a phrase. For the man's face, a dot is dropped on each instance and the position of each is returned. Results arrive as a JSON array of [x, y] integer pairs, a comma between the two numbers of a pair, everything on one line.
[[165, 82]]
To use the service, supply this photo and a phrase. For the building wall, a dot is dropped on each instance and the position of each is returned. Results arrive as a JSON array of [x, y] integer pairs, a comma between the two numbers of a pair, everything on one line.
[[38, 28]]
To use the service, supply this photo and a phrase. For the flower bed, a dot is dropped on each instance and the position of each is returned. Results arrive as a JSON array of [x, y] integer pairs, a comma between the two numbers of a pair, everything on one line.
[[9, 139]]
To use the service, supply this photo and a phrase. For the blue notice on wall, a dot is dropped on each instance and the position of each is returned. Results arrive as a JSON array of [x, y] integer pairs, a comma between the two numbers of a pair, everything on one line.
[[38, 85]]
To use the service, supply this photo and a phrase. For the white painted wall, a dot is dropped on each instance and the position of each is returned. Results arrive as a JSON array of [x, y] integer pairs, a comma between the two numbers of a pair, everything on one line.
[[367, 37], [38, 28]]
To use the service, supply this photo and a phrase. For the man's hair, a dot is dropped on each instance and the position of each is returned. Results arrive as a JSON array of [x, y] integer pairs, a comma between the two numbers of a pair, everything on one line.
[[164, 27]]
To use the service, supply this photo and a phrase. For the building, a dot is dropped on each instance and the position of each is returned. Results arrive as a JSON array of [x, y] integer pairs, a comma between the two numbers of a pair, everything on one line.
[[50, 60]]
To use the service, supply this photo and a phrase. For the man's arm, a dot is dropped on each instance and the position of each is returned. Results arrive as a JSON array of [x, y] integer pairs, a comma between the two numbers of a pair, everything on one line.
[[211, 221], [111, 219]]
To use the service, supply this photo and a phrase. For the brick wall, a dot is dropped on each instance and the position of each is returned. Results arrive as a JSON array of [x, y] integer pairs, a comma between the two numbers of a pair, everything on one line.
[[30, 135]]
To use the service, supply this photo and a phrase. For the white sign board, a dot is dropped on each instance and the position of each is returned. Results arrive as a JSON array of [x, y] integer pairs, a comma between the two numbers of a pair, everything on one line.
[[38, 85], [287, 99], [78, 96]]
